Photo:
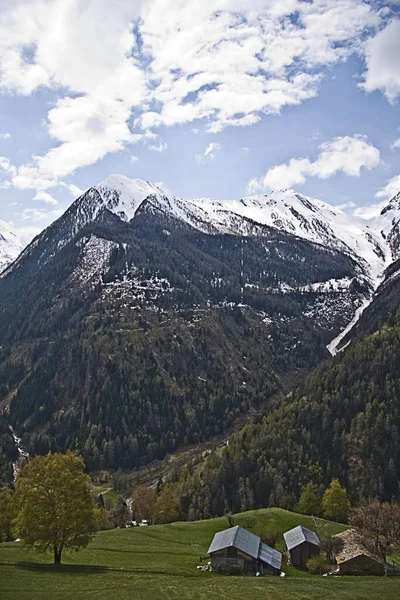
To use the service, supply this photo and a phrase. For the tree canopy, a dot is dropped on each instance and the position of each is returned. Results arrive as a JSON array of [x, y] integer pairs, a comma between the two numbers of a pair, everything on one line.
[[55, 507], [379, 524], [309, 502], [7, 514], [335, 502]]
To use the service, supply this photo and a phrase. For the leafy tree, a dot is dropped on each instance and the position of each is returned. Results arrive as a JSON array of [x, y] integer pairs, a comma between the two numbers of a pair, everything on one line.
[[55, 507], [335, 502], [167, 506], [379, 524], [317, 565], [120, 514], [270, 537], [332, 545], [8, 512], [231, 519], [144, 502], [310, 501]]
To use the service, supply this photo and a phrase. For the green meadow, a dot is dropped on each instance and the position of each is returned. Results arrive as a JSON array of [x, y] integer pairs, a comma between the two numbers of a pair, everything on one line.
[[160, 562]]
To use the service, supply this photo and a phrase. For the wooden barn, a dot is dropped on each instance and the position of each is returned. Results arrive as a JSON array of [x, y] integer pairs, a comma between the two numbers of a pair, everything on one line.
[[301, 544], [240, 550], [356, 559]]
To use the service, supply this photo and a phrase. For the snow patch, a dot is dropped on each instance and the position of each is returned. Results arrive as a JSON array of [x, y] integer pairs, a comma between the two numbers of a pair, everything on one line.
[[96, 253], [333, 345]]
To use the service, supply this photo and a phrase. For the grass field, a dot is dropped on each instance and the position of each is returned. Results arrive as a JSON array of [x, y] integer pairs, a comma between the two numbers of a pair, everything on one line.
[[160, 562]]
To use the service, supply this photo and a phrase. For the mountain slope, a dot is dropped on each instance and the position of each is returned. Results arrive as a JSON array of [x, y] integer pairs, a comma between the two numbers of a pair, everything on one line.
[[343, 421], [11, 245], [134, 324]]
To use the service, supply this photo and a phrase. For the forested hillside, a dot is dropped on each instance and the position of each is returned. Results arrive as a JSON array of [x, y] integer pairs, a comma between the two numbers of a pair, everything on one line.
[[8, 453], [343, 421], [134, 339]]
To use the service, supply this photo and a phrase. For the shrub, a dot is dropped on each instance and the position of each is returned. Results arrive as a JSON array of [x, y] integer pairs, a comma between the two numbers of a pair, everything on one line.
[[270, 537], [318, 565]]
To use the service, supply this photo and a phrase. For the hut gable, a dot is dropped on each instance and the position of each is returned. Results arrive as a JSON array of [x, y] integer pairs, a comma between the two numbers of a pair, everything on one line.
[[357, 559], [236, 547], [301, 544], [299, 535], [239, 538]]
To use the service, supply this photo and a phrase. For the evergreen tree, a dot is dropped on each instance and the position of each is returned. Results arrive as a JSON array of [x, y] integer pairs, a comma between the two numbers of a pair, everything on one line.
[[310, 501]]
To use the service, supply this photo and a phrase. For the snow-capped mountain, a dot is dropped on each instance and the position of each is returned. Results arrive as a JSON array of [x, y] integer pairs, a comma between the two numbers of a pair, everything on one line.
[[11, 244], [371, 244], [374, 243], [138, 313]]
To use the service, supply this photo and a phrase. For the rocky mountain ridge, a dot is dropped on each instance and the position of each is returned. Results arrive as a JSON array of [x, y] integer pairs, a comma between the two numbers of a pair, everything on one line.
[[138, 323], [11, 244]]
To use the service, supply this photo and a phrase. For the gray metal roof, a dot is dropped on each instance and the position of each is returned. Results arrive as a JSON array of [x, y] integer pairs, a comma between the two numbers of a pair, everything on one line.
[[298, 536], [239, 538], [270, 556]]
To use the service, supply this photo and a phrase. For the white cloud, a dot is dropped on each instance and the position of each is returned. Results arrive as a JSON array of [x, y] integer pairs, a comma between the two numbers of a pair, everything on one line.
[[230, 61], [29, 232], [73, 189], [5, 135], [370, 211], [347, 154], [209, 153], [40, 215], [159, 148], [120, 69], [133, 158], [87, 49], [382, 59], [395, 144], [346, 205], [45, 197], [391, 188]]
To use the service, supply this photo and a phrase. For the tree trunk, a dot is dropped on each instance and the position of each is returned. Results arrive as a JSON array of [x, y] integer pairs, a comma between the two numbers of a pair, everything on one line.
[[57, 555]]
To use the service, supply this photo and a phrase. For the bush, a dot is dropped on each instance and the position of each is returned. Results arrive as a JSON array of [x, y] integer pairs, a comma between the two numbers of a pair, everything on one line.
[[270, 537], [318, 565]]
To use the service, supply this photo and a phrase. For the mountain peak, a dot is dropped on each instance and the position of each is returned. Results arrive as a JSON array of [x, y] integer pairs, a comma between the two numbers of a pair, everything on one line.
[[11, 244], [123, 196], [394, 204]]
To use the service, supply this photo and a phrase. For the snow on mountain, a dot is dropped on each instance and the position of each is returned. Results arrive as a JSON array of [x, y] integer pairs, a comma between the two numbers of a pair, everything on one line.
[[11, 244], [123, 196], [312, 220], [373, 243], [369, 242]]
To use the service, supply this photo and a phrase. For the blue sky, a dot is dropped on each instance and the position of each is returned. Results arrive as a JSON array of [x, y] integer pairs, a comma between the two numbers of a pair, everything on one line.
[[220, 98]]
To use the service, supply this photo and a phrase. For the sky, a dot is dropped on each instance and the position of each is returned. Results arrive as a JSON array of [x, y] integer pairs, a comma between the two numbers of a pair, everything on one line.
[[218, 98]]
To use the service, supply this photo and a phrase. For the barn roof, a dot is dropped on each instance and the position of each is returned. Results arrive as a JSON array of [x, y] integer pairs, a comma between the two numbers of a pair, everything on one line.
[[246, 542], [270, 556], [298, 535], [239, 538], [354, 547]]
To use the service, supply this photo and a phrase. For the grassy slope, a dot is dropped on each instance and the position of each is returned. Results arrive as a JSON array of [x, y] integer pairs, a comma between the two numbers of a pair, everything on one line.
[[161, 561]]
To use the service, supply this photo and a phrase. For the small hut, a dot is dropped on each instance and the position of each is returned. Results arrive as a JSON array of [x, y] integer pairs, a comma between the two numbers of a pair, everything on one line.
[[240, 550], [301, 544], [356, 559]]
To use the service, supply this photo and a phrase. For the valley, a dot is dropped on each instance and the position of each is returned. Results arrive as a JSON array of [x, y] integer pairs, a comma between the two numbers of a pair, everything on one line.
[[162, 559], [139, 324]]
